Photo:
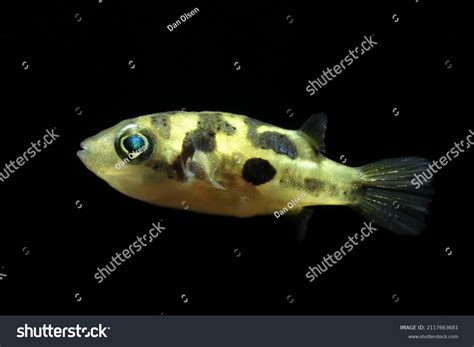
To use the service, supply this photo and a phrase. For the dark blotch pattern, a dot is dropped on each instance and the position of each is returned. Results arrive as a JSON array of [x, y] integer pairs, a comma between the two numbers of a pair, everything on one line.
[[214, 122], [289, 181], [177, 171], [312, 184], [162, 122], [258, 171], [277, 142], [332, 190], [252, 125], [202, 140], [187, 150], [198, 140]]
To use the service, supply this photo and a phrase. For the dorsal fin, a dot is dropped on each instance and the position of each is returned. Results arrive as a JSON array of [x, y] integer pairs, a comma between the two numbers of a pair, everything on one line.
[[314, 130]]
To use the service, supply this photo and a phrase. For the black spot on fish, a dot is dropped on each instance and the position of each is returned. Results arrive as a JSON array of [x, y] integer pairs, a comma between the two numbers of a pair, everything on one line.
[[214, 122], [277, 142], [162, 122], [258, 171]]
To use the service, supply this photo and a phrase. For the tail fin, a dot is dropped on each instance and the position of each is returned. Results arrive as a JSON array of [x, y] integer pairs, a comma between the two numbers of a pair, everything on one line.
[[388, 197]]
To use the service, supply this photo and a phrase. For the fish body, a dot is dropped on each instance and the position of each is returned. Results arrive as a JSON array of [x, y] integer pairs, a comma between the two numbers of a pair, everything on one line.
[[227, 164]]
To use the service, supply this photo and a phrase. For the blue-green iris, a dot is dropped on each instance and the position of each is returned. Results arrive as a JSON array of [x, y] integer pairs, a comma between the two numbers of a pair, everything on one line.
[[134, 143]]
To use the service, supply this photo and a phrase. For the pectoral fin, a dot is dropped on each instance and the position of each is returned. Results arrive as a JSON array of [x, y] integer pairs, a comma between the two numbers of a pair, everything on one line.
[[200, 166], [198, 157]]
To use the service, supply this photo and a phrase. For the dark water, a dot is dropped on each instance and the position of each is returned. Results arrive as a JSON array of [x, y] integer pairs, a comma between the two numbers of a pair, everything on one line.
[[90, 65]]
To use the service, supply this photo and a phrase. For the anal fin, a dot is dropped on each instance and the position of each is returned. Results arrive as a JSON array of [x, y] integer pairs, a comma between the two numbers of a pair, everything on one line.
[[299, 223]]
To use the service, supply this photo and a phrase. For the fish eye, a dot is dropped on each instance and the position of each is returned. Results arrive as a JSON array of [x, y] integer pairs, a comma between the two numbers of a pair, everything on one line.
[[134, 144]]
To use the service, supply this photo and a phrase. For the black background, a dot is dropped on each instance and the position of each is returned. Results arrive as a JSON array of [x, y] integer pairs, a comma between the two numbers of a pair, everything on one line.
[[78, 55]]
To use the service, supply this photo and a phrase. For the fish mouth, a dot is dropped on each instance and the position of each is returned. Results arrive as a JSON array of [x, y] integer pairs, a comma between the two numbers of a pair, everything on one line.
[[82, 154]]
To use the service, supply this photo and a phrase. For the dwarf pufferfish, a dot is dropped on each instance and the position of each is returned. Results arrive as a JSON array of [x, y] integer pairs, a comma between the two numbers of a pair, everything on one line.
[[228, 164]]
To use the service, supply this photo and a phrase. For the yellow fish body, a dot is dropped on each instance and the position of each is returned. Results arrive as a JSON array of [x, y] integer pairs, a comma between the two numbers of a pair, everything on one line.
[[226, 164]]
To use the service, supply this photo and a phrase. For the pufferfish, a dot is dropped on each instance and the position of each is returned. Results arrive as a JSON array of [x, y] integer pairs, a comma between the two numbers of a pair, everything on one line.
[[227, 164]]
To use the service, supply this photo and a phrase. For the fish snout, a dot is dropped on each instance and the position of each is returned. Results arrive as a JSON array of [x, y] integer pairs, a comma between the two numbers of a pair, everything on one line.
[[82, 154], [99, 156]]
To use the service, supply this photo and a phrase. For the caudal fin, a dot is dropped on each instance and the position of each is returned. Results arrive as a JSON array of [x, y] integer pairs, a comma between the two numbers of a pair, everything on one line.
[[388, 197]]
